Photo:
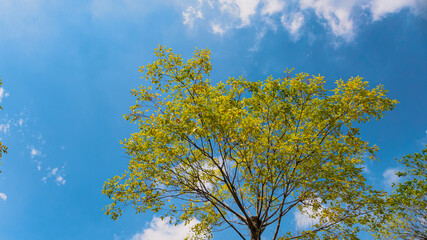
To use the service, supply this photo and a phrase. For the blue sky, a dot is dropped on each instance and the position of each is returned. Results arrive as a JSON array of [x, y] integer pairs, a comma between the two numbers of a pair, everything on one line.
[[68, 67]]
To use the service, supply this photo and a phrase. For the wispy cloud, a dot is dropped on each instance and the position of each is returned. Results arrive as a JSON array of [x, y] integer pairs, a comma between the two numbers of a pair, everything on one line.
[[60, 180], [338, 18], [305, 218], [336, 15], [39, 164], [382, 8], [57, 174], [390, 177], [217, 29], [161, 230], [272, 6], [423, 141], [243, 9], [293, 23], [20, 122], [3, 196], [3, 94], [4, 127], [9, 124], [190, 14], [34, 152]]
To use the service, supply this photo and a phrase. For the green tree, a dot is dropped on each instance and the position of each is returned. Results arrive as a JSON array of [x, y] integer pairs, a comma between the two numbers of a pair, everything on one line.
[[408, 200], [3, 148], [245, 154]]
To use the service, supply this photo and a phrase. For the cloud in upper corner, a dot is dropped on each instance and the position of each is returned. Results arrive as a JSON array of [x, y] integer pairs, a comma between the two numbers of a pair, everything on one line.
[[390, 177], [381, 8], [3, 196], [161, 230], [338, 18], [26, 19]]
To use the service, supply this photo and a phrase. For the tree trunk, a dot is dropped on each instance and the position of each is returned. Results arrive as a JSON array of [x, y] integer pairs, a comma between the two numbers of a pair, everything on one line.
[[255, 228], [255, 236]]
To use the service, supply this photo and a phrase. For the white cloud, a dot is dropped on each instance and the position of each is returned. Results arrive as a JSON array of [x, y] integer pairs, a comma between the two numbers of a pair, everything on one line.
[[161, 230], [34, 152], [217, 29], [3, 94], [39, 165], [390, 177], [60, 180], [57, 174], [3, 196], [4, 127], [272, 6], [380, 8], [20, 122], [339, 18], [190, 14], [337, 14], [303, 219], [242, 8], [293, 23]]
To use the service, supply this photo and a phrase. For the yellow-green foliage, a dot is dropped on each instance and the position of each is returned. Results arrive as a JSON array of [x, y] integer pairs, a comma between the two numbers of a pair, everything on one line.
[[226, 152], [408, 201]]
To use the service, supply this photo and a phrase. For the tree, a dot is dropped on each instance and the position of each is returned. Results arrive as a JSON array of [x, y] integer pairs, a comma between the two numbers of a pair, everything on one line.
[[408, 201], [3, 148], [245, 154]]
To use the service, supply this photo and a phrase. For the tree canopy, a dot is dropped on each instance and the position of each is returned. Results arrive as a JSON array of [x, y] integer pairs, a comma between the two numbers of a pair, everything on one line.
[[408, 201], [249, 154]]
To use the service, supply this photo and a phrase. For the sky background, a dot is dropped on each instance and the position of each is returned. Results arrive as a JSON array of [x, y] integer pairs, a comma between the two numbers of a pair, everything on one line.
[[68, 68]]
